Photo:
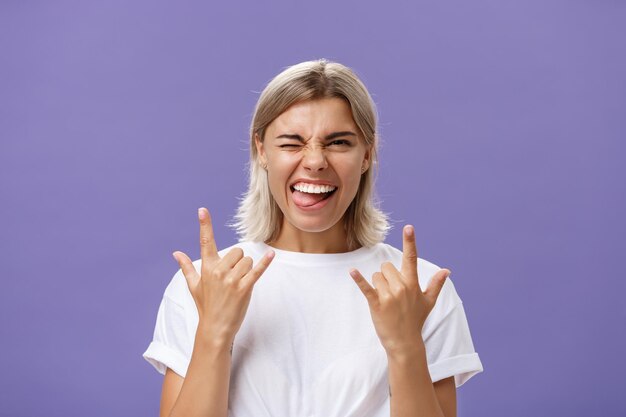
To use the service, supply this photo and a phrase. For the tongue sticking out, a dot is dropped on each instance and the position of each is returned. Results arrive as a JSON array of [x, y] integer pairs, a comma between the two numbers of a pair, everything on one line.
[[307, 199]]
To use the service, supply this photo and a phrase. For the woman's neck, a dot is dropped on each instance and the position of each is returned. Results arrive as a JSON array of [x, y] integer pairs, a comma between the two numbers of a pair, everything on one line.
[[333, 240]]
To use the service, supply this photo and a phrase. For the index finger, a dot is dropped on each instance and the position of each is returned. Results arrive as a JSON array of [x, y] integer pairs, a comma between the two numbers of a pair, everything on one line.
[[409, 254], [208, 249]]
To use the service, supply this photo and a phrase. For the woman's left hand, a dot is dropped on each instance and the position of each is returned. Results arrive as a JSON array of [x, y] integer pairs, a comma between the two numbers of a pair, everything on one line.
[[397, 304]]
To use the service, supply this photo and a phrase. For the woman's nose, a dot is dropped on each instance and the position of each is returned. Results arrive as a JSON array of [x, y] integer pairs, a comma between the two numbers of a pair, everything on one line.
[[314, 159]]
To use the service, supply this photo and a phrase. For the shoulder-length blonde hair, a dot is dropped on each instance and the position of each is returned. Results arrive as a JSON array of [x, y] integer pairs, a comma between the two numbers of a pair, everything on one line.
[[258, 217]]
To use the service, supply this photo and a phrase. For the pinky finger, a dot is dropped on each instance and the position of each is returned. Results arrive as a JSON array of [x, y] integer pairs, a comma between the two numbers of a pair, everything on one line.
[[368, 291], [436, 284], [255, 273]]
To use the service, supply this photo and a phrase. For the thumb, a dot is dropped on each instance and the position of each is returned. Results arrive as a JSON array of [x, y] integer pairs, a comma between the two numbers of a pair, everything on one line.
[[435, 285], [187, 268]]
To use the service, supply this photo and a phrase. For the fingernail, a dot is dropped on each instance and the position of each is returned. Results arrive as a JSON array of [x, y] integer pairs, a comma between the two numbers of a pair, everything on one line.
[[270, 254], [201, 213], [353, 273], [409, 231], [174, 256]]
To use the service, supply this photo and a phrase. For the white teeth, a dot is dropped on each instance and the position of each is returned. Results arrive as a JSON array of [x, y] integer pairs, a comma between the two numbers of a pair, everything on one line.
[[312, 188]]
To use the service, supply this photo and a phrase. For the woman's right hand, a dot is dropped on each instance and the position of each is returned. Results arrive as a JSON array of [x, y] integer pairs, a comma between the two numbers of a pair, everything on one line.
[[223, 288]]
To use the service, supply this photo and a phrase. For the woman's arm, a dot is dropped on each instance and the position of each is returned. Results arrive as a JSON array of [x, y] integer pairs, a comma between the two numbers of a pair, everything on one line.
[[204, 390], [399, 309], [446, 394], [221, 291], [412, 392]]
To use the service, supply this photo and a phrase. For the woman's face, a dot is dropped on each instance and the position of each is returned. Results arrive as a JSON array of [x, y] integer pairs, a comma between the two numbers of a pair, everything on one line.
[[315, 155]]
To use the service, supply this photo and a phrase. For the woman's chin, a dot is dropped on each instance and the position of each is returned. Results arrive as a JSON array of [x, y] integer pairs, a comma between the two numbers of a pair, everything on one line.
[[311, 224]]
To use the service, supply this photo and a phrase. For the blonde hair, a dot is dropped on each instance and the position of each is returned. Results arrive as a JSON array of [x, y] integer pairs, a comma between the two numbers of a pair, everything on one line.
[[258, 217]]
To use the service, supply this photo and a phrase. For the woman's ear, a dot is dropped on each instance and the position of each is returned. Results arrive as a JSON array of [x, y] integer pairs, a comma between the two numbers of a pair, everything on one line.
[[260, 150], [367, 158]]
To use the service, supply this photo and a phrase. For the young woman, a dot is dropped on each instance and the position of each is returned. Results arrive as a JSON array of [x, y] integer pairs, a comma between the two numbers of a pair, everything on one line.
[[311, 314]]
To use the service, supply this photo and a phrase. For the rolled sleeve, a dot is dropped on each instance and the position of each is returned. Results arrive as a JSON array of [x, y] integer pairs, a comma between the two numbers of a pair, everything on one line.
[[450, 350], [170, 346]]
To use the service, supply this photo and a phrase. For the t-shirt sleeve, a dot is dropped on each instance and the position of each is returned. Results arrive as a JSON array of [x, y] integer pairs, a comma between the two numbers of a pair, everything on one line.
[[449, 347], [172, 343]]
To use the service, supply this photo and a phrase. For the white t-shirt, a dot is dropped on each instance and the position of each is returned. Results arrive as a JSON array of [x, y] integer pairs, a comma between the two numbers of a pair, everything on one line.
[[307, 345]]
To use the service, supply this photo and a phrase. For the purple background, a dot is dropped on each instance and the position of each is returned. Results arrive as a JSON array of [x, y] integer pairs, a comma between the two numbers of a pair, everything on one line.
[[503, 126]]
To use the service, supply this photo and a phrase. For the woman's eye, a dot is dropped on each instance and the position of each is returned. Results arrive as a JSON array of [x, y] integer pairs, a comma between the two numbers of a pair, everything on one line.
[[288, 146], [340, 142]]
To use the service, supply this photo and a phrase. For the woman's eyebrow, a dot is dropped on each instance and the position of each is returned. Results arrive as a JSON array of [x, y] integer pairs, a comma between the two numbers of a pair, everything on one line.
[[328, 137], [339, 134]]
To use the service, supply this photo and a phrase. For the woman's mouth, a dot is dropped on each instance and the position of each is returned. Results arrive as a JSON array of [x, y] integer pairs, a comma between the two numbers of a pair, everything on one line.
[[311, 196]]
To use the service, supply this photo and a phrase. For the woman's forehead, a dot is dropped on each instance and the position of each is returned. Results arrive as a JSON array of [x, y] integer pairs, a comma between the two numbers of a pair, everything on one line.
[[322, 116]]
